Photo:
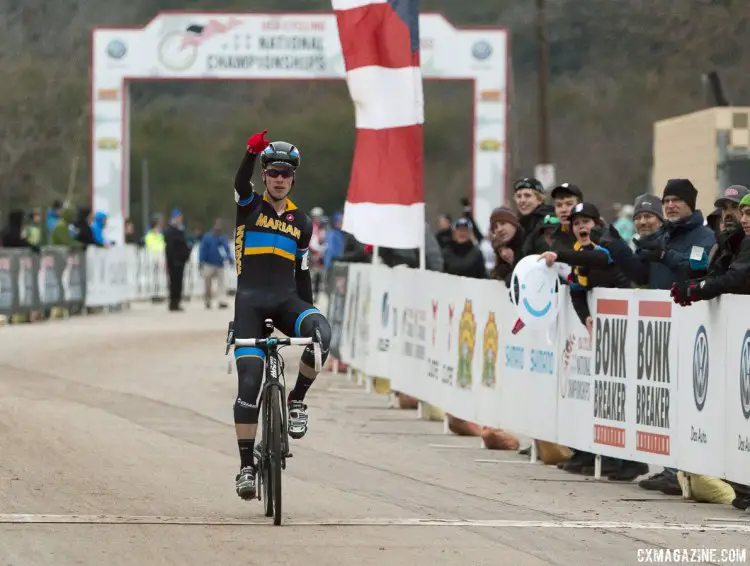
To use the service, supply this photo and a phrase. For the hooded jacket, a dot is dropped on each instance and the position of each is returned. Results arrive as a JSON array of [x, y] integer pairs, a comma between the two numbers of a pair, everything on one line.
[[97, 228], [61, 234]]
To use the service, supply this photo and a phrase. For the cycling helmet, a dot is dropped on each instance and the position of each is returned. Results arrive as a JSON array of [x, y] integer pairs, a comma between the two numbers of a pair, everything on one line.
[[280, 153], [316, 212]]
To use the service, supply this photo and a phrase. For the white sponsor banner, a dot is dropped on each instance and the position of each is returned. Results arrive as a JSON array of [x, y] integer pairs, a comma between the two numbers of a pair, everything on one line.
[[701, 393], [737, 390], [575, 378]]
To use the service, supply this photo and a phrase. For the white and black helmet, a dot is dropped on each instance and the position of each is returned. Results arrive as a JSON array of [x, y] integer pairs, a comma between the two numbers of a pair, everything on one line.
[[280, 153]]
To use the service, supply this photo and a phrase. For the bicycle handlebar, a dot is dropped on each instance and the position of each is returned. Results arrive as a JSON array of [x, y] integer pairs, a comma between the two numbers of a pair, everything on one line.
[[261, 342]]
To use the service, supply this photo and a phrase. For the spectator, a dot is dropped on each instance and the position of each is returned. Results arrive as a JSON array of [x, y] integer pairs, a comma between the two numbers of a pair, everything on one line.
[[82, 228], [687, 242], [62, 233], [11, 235], [566, 196], [593, 267], [433, 254], [334, 241], [529, 197], [32, 232], [713, 221], [214, 255], [507, 238], [177, 253], [649, 226], [195, 237], [461, 257], [130, 235], [734, 280], [444, 233], [730, 237], [53, 216], [154, 238], [624, 223], [98, 226]]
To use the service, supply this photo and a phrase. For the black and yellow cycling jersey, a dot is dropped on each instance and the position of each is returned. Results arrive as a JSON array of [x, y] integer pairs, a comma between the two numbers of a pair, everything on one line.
[[271, 250]]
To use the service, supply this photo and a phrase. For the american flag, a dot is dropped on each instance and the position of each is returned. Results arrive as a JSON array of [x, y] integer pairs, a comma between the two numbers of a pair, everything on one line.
[[380, 44]]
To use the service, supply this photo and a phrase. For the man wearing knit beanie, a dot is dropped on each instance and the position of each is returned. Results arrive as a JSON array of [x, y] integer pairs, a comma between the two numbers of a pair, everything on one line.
[[679, 199], [686, 244]]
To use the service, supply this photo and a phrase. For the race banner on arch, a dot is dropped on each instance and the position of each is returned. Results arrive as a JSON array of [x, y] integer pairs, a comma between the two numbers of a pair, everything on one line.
[[280, 46]]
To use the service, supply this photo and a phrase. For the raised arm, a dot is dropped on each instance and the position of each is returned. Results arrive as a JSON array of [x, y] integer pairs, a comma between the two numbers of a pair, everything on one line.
[[243, 185]]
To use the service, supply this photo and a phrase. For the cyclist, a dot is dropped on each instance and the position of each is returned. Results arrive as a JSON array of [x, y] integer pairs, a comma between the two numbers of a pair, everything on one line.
[[273, 281]]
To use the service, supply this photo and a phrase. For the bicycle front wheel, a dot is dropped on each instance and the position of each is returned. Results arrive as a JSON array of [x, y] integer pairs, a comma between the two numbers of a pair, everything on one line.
[[266, 475], [275, 452]]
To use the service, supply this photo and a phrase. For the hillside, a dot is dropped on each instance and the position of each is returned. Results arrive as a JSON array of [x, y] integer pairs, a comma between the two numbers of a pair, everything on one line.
[[615, 68]]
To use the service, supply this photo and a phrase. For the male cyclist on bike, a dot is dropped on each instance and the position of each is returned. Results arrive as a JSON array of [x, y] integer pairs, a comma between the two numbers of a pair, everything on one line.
[[273, 281]]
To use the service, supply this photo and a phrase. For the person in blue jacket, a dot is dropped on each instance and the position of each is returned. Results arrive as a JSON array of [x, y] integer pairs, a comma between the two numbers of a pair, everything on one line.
[[213, 256], [97, 229], [334, 241]]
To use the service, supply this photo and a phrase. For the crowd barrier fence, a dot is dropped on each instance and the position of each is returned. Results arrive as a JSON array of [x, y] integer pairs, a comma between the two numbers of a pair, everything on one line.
[[59, 277], [656, 383]]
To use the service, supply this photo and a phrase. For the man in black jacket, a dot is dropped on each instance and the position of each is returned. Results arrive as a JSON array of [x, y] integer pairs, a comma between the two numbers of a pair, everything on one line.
[[178, 253], [729, 238], [461, 256], [529, 197]]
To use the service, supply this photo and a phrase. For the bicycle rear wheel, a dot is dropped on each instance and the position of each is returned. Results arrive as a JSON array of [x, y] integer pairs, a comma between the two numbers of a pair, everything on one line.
[[275, 452], [266, 476]]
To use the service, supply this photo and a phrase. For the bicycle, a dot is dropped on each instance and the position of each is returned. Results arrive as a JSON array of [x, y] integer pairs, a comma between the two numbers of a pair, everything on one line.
[[273, 451]]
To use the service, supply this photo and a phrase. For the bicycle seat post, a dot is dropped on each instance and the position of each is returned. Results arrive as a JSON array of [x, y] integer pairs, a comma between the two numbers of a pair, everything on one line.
[[268, 328]]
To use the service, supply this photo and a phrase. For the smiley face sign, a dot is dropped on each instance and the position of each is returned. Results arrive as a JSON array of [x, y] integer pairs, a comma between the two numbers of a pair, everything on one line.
[[534, 292]]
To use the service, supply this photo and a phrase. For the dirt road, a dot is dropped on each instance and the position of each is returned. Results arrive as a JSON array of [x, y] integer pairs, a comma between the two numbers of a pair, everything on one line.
[[115, 427]]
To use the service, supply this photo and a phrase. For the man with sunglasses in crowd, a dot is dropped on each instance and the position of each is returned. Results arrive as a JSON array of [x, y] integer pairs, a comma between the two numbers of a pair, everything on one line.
[[272, 238]]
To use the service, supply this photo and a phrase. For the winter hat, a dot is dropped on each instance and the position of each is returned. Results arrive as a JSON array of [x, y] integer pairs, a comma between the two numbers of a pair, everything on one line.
[[504, 214], [528, 183], [649, 203], [683, 189]]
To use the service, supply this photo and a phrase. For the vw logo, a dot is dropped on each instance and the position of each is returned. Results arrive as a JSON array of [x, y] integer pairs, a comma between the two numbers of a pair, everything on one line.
[[117, 49], [700, 368], [384, 310], [745, 375], [481, 50]]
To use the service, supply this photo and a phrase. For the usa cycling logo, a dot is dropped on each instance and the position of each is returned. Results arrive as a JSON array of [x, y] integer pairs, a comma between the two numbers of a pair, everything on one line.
[[700, 368], [745, 375]]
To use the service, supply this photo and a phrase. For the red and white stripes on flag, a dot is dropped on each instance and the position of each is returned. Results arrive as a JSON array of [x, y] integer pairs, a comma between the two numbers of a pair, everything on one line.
[[380, 44]]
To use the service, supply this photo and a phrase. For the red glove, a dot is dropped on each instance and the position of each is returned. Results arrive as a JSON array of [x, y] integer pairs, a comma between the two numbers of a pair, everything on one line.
[[369, 249], [257, 142]]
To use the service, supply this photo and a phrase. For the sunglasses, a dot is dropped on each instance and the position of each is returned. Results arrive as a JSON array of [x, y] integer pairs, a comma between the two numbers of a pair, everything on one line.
[[284, 173]]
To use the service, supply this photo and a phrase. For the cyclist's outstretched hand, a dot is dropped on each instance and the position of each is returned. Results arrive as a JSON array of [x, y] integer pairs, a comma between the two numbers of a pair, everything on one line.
[[257, 142]]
